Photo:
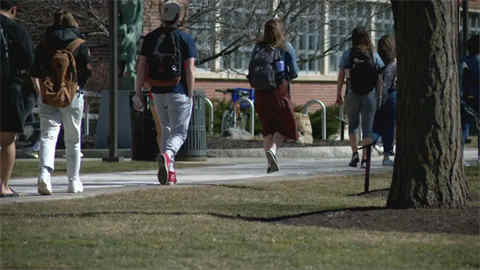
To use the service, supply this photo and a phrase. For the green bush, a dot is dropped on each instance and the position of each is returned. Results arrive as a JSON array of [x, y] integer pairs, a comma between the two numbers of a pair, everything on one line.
[[219, 107], [333, 123]]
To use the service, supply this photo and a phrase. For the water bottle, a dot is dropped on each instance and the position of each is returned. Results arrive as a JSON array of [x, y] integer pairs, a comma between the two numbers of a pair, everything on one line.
[[280, 65]]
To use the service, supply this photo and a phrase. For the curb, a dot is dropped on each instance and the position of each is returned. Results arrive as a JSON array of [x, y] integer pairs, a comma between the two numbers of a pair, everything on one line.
[[287, 152]]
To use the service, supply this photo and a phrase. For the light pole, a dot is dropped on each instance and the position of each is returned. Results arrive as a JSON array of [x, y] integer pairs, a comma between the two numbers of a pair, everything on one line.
[[113, 123]]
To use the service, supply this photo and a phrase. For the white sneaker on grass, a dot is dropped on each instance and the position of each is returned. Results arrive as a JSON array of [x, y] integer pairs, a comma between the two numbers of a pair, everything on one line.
[[75, 186], [44, 184]]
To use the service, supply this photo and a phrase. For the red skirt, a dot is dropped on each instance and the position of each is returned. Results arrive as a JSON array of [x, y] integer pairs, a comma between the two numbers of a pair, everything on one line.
[[275, 110]]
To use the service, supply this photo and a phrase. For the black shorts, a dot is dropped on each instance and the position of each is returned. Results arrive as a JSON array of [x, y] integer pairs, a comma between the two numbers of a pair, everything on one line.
[[12, 108]]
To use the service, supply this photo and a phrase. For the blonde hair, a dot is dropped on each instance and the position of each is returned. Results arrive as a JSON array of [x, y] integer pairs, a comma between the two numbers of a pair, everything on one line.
[[64, 18], [386, 49]]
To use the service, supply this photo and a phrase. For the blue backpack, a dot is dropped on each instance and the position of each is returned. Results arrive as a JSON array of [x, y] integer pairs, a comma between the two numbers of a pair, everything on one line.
[[4, 60]]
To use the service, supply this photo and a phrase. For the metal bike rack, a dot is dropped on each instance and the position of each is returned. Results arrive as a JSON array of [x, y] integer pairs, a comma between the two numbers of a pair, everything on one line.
[[324, 114], [210, 104], [252, 113]]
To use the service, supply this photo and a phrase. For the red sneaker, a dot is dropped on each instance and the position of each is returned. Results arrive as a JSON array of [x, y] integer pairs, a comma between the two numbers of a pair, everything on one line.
[[163, 165], [172, 178]]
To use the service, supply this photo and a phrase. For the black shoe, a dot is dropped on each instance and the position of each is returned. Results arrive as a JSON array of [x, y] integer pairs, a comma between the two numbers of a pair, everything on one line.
[[355, 160], [363, 164]]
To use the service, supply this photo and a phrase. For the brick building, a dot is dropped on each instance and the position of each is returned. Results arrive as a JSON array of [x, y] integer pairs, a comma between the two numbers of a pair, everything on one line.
[[324, 27]]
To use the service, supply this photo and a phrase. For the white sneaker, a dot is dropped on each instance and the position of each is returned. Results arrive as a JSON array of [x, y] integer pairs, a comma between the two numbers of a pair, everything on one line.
[[44, 185], [75, 186]]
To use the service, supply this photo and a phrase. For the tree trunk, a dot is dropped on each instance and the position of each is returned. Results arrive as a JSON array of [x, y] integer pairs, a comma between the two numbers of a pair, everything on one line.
[[429, 161]]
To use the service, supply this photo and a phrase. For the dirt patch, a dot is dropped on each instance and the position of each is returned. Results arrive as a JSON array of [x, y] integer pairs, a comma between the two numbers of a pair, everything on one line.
[[459, 221]]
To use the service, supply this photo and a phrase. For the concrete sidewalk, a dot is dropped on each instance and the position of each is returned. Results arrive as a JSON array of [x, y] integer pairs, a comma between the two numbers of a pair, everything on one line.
[[213, 171]]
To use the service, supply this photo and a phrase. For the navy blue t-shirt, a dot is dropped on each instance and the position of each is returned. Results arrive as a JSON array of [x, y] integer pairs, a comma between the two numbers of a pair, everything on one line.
[[188, 50]]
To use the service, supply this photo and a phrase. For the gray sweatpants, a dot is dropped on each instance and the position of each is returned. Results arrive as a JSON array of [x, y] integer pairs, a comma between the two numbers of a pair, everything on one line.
[[361, 106], [174, 111]]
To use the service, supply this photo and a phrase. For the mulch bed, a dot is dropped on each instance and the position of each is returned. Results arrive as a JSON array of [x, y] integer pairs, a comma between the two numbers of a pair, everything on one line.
[[459, 221]]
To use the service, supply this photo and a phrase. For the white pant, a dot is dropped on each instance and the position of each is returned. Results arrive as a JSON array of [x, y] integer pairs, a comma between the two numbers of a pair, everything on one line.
[[51, 118], [174, 111]]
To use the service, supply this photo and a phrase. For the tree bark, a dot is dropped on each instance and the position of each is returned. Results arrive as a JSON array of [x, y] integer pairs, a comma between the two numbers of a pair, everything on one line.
[[428, 169]]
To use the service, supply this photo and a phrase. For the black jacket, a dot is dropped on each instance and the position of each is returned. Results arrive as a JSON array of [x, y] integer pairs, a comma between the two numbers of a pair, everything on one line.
[[57, 38], [20, 46]]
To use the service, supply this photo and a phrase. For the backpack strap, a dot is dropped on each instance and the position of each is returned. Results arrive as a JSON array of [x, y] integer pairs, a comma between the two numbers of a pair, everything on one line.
[[72, 46]]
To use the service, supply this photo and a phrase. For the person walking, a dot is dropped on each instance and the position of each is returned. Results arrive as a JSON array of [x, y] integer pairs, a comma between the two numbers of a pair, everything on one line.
[[386, 50], [271, 68], [470, 86], [16, 56], [361, 66], [61, 41], [167, 64]]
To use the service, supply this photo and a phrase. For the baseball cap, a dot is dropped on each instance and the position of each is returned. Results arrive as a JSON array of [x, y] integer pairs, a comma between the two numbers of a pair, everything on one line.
[[171, 12]]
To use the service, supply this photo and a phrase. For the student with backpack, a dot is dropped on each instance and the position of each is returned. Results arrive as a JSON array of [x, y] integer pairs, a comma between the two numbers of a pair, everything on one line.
[[16, 57], [167, 64], [470, 86], [60, 71], [362, 66], [270, 71]]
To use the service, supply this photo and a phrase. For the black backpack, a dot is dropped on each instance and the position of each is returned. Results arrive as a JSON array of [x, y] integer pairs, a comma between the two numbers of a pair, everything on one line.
[[4, 57], [364, 73], [165, 65], [262, 73]]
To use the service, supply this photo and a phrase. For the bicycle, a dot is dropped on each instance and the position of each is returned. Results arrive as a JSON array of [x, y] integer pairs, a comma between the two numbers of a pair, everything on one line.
[[228, 118]]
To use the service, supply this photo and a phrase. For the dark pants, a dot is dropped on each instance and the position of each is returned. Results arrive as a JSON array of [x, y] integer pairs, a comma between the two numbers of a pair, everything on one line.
[[390, 108]]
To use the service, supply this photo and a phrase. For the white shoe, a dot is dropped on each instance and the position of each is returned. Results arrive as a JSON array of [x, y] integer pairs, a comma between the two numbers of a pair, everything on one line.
[[75, 186], [272, 162], [44, 185]]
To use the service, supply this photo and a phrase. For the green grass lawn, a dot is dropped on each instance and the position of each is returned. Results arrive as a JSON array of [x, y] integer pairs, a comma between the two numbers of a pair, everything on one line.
[[221, 227]]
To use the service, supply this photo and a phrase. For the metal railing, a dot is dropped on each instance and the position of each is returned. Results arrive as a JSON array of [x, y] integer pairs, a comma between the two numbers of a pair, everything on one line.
[[252, 113], [210, 104], [324, 114]]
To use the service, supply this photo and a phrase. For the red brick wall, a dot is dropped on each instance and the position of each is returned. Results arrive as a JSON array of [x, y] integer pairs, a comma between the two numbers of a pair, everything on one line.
[[302, 92]]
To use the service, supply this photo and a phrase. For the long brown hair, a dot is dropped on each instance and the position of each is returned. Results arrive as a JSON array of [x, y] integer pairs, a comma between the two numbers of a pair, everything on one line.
[[386, 49], [361, 38], [273, 33]]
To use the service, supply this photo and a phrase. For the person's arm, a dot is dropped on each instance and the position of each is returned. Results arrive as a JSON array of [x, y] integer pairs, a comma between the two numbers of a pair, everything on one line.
[[84, 66], [36, 85], [24, 49], [293, 70], [141, 68], [381, 67], [190, 75], [340, 82], [343, 71]]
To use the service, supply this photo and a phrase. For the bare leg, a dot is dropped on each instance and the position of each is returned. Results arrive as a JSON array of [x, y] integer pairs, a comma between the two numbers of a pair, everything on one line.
[[277, 140], [267, 142], [7, 160]]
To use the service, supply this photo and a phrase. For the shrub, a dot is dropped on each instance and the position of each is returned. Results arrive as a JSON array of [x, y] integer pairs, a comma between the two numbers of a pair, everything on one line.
[[219, 107], [333, 123]]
